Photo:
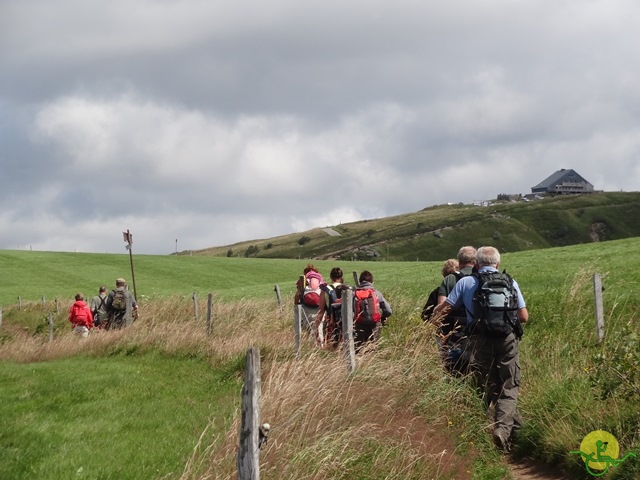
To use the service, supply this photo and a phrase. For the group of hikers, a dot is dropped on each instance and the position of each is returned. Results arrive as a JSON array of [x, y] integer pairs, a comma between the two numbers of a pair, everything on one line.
[[113, 310], [321, 303], [477, 312]]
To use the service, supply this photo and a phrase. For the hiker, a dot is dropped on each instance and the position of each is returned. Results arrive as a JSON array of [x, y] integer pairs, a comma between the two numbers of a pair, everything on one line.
[[328, 321], [99, 308], [452, 336], [450, 266], [308, 297], [121, 306], [369, 315], [493, 341], [80, 316], [300, 283]]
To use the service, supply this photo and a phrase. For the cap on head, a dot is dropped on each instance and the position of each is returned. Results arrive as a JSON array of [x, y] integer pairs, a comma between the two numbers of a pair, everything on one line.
[[120, 281]]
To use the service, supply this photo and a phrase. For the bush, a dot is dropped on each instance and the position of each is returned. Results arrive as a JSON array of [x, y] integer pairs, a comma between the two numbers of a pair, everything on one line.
[[303, 240]]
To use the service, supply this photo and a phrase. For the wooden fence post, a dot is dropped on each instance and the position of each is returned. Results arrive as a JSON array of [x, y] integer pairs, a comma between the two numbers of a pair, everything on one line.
[[51, 327], [347, 330], [57, 306], [276, 288], [44, 303], [195, 305], [356, 280], [0, 316], [19, 303], [597, 291], [248, 461], [209, 312], [297, 326]]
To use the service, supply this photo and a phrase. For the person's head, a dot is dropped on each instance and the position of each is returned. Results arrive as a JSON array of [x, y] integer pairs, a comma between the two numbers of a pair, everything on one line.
[[103, 289], [467, 256], [366, 276], [488, 257], [450, 266], [309, 268], [120, 282], [336, 274], [79, 296]]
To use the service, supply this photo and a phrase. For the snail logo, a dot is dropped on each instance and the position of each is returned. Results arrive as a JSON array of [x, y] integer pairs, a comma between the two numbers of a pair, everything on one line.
[[600, 450]]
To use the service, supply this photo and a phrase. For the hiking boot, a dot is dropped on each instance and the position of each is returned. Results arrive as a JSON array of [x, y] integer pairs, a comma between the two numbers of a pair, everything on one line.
[[501, 443]]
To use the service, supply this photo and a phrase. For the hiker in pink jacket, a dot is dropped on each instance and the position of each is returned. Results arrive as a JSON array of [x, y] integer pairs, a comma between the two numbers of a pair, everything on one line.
[[80, 316]]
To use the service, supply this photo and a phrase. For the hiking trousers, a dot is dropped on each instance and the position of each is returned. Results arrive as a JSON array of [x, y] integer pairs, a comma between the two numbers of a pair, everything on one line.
[[495, 365]]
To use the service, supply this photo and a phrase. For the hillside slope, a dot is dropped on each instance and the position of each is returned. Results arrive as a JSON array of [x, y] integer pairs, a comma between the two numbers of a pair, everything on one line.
[[437, 232]]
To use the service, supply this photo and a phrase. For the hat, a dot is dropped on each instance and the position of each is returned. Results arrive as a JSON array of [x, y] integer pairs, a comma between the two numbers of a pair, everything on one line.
[[315, 275], [120, 280]]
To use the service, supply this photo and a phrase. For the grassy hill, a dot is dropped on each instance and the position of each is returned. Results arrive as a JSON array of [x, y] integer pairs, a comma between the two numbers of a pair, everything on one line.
[[437, 232], [165, 395]]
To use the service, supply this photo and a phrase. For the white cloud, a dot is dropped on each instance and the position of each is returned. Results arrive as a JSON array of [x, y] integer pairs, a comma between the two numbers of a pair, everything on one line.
[[215, 122]]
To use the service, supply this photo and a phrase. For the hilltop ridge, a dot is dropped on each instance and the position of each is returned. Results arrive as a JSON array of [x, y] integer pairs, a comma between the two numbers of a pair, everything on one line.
[[436, 232]]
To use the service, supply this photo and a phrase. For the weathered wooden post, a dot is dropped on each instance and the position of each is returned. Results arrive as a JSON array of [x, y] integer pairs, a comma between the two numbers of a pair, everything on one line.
[[248, 461], [195, 305], [0, 316], [209, 312], [347, 330], [597, 291], [51, 327], [276, 288], [44, 303], [19, 303], [128, 312], [57, 306], [356, 280], [297, 326]]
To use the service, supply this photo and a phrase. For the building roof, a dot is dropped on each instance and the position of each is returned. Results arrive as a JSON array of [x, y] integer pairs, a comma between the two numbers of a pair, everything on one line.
[[559, 177]]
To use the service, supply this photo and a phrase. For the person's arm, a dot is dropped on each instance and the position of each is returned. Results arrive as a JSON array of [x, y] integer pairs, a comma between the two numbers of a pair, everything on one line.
[[442, 309], [442, 291], [523, 315], [384, 305], [90, 318]]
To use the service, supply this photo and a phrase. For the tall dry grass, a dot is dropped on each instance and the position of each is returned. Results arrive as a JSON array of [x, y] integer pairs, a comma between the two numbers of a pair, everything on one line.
[[391, 419]]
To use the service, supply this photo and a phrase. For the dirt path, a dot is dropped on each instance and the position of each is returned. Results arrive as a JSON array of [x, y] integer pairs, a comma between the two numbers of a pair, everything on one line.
[[527, 469]]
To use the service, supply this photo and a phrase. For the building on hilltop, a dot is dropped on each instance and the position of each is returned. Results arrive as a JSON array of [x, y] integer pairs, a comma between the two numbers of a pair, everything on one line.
[[563, 182]]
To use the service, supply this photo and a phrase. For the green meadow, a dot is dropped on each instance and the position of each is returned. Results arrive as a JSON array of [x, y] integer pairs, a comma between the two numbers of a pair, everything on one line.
[[161, 399]]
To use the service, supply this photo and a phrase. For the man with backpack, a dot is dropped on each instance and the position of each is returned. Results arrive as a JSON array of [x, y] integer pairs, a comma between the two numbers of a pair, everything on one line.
[[121, 306], [370, 311], [495, 310], [99, 308]]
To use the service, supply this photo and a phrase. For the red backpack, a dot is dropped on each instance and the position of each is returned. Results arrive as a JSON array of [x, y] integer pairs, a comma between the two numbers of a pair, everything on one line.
[[366, 310], [310, 297]]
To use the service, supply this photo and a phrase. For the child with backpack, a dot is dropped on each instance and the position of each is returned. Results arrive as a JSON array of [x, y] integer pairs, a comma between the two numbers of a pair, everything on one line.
[[80, 316], [328, 322], [370, 311]]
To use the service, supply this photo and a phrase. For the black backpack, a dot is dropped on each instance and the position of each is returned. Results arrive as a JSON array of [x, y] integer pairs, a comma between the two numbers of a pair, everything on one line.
[[333, 332], [495, 303], [432, 301]]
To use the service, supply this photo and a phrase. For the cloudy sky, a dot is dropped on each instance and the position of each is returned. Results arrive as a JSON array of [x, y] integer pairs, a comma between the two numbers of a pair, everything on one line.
[[216, 121]]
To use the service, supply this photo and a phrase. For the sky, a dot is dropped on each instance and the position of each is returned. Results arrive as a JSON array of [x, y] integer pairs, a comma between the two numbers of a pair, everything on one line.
[[199, 123]]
